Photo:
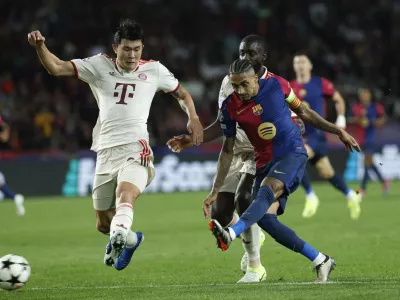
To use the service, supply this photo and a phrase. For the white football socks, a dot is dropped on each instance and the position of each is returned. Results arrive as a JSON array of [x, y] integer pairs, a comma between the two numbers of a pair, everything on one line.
[[123, 218], [319, 259], [251, 244]]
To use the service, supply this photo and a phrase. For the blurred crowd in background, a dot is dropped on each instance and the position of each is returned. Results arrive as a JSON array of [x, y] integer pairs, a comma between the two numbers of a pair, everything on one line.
[[353, 43]]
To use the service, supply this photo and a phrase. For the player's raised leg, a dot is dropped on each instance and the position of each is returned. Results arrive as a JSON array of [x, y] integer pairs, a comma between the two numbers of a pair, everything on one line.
[[271, 197], [133, 179]]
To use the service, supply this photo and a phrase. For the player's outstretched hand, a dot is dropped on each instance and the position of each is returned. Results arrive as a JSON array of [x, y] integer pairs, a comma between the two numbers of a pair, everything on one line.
[[349, 141], [195, 128], [35, 38], [180, 142], [207, 204]]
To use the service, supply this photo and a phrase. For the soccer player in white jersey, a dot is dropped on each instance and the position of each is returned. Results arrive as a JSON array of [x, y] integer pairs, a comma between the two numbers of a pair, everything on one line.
[[124, 88]]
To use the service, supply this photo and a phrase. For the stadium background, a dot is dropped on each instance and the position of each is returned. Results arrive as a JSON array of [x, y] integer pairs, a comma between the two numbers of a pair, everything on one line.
[[350, 42]]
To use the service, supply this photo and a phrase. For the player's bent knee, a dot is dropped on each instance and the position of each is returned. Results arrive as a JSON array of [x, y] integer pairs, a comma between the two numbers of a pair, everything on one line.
[[102, 227], [368, 160], [324, 168], [310, 152], [276, 186], [104, 219], [273, 208]]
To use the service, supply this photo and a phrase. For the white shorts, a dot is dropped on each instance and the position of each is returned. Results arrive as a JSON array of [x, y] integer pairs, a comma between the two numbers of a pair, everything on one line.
[[131, 163], [242, 162]]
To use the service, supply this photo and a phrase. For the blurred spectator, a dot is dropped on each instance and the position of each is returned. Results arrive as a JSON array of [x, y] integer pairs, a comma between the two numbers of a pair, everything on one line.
[[350, 42]]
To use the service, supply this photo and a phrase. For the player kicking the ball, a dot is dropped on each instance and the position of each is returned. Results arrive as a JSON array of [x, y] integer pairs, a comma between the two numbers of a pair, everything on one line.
[[261, 108], [236, 190], [124, 88]]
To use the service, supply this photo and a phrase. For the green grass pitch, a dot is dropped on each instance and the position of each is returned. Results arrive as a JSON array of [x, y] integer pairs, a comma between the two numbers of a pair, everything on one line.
[[179, 259]]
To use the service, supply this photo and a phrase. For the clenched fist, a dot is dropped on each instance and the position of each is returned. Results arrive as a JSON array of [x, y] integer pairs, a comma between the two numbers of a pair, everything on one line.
[[36, 39]]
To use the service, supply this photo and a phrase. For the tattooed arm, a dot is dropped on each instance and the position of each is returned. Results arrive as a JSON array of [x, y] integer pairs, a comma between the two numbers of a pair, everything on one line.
[[224, 163], [186, 102], [310, 116]]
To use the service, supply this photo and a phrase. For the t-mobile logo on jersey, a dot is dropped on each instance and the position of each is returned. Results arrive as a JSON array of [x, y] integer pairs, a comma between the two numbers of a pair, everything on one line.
[[123, 92]]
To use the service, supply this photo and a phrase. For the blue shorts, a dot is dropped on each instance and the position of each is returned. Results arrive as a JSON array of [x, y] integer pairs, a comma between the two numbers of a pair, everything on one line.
[[369, 147], [319, 145], [289, 169]]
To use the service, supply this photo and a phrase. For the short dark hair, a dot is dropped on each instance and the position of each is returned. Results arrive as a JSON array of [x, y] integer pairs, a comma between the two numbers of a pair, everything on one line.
[[128, 29], [240, 66], [256, 39], [302, 52]]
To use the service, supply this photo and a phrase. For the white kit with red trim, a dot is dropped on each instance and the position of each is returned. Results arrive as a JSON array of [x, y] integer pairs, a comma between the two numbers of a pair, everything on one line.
[[124, 98]]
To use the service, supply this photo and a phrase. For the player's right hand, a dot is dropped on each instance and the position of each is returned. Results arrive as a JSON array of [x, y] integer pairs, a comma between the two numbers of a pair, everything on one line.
[[349, 141], [179, 143], [36, 39]]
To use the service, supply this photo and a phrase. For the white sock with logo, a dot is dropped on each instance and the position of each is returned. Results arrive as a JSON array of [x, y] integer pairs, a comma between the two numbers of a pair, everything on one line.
[[123, 218]]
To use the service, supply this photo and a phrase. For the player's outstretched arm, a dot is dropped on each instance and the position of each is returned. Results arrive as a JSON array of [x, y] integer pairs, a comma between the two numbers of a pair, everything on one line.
[[52, 63], [186, 102], [181, 142], [310, 116], [224, 163]]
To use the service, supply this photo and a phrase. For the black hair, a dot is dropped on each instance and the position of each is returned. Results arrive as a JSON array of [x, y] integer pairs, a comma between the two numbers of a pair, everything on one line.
[[256, 39], [240, 66], [128, 29], [302, 53]]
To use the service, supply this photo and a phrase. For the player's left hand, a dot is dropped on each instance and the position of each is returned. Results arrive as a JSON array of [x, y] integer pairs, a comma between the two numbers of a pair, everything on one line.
[[195, 128], [349, 141], [207, 204]]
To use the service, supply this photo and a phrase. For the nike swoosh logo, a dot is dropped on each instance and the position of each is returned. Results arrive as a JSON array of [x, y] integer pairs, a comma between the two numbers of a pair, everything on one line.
[[277, 172], [240, 111]]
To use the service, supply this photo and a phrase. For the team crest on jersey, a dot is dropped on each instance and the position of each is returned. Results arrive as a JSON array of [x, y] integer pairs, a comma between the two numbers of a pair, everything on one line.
[[266, 131], [257, 110], [142, 76], [302, 93]]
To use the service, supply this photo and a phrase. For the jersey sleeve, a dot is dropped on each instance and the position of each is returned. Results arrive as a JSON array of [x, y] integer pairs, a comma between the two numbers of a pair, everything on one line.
[[223, 91], [380, 111], [87, 69], [328, 88], [290, 96], [228, 125], [166, 80]]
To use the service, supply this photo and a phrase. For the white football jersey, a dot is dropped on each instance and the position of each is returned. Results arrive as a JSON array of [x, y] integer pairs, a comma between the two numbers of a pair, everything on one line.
[[124, 98]]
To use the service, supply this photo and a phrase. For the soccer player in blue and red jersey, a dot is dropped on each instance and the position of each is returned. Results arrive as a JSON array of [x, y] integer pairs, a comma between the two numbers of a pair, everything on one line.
[[369, 117], [5, 191], [313, 91], [261, 108]]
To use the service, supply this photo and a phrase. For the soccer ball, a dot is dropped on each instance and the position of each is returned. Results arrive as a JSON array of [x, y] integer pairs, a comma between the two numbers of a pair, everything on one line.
[[14, 272]]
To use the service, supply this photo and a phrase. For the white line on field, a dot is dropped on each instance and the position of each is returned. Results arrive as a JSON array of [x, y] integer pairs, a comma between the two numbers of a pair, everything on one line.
[[194, 285]]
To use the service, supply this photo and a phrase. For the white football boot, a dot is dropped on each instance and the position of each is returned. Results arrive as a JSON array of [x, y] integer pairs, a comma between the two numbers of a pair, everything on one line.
[[324, 269]]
